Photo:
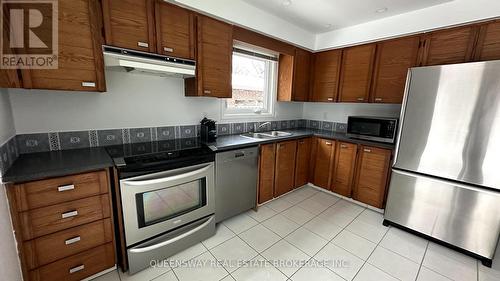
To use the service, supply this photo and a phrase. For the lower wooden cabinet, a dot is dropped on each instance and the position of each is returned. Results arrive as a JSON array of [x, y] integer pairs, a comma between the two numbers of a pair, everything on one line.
[[267, 161], [345, 160], [372, 175], [323, 155], [285, 167], [302, 162]]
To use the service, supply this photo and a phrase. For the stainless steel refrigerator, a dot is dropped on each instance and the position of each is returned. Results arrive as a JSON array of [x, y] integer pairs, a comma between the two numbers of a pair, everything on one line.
[[445, 181]]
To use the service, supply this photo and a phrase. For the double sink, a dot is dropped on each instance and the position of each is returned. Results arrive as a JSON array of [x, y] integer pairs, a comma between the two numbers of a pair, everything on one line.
[[266, 135]]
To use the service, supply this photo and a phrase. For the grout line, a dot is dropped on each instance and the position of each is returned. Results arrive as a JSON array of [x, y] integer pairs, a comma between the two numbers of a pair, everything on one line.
[[422, 261]]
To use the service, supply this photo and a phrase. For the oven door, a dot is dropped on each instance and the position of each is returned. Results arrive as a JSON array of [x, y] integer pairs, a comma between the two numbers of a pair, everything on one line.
[[156, 203]]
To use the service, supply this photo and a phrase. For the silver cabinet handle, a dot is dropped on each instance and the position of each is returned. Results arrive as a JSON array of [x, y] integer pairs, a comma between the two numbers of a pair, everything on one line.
[[207, 92], [343, 146], [360, 99], [329, 99], [167, 49], [65, 187], [328, 143], [301, 142], [143, 44], [69, 214], [367, 150], [72, 240], [76, 269], [378, 99], [88, 84]]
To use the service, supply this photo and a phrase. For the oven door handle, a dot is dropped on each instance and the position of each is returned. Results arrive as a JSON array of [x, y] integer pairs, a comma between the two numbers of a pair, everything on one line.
[[179, 176], [170, 241]]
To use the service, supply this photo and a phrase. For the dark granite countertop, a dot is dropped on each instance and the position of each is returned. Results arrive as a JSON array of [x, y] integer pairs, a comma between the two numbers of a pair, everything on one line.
[[41, 165], [230, 142]]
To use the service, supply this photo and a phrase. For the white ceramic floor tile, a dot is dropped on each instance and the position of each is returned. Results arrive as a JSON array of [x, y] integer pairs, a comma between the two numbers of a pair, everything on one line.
[[280, 225], [350, 264], [146, 274], [307, 191], [297, 215], [204, 268], [347, 207], [370, 273], [295, 197], [394, 264], [222, 234], [279, 205], [354, 244], [493, 273], [286, 257], [258, 269], [426, 274], [263, 213], [169, 276], [325, 198], [240, 223], [188, 253], [110, 276], [369, 225], [323, 228], [259, 237], [307, 241], [312, 206], [233, 253], [316, 274], [449, 263], [405, 244]]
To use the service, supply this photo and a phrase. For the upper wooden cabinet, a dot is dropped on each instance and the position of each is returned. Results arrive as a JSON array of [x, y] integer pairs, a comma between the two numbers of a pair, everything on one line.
[[449, 46], [81, 65], [302, 162], [325, 76], [372, 175], [356, 73], [393, 60], [345, 161], [130, 24], [267, 161], [214, 59], [175, 32], [301, 75], [323, 155], [285, 167], [488, 43]]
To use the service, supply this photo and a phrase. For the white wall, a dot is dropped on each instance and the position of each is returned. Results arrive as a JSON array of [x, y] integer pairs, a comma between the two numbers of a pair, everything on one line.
[[338, 112], [132, 100], [7, 129], [447, 14]]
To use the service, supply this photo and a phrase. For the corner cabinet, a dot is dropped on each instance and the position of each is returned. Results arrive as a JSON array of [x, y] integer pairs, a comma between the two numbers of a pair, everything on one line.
[[301, 75], [345, 163], [214, 59], [323, 155]]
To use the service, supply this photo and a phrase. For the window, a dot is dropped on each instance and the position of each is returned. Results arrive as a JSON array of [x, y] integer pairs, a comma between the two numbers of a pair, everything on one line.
[[254, 85]]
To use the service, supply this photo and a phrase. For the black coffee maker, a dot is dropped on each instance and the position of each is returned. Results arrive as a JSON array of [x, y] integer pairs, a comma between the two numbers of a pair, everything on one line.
[[208, 130]]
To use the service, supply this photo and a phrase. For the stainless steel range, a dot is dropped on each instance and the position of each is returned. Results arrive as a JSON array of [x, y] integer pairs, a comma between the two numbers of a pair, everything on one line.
[[167, 197]]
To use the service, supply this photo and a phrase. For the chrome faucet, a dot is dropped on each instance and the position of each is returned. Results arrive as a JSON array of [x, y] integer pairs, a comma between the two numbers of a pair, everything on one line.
[[261, 125]]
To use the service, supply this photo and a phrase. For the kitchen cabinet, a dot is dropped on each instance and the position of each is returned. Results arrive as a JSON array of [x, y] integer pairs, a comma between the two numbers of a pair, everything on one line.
[[448, 46], [488, 43], [345, 163], [214, 60], [285, 77], [175, 31], [80, 61], [356, 73], [372, 175], [393, 59], [285, 167], [301, 75], [130, 24], [324, 153], [267, 162], [325, 76], [302, 162]]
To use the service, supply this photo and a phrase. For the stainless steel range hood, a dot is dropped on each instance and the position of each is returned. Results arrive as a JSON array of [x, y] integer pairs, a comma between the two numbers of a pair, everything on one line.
[[146, 63]]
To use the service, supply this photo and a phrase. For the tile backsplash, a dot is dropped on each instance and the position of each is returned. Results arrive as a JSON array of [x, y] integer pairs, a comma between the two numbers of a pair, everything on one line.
[[8, 154]]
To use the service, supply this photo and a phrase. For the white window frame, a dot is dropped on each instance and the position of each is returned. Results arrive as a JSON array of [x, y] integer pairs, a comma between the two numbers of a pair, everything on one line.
[[269, 102]]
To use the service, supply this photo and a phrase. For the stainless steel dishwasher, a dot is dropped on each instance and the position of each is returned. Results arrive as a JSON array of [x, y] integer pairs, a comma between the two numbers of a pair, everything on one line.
[[235, 181]]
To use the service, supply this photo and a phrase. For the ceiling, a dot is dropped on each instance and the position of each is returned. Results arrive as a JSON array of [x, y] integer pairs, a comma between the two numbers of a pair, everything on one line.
[[318, 16]]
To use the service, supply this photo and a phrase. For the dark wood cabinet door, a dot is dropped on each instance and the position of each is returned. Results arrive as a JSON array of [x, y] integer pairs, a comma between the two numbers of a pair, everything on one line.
[[301, 75], [345, 163], [214, 65], [266, 172], [175, 31], [488, 44], [302, 162], [130, 24], [372, 175], [325, 80], [80, 61], [356, 73], [393, 60], [323, 161], [285, 167], [449, 46]]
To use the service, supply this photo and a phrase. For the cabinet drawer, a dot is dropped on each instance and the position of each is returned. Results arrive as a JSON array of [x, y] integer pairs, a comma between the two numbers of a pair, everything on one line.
[[43, 221], [48, 192], [52, 247], [77, 267]]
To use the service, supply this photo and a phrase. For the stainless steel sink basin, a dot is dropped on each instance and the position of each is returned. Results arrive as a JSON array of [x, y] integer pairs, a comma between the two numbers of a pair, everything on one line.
[[266, 135], [255, 136]]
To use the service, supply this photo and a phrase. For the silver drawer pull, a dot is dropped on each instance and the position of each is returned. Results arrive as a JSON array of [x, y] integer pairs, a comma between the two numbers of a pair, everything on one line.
[[207, 92], [343, 146], [72, 240], [69, 214], [88, 84], [301, 142], [167, 49], [76, 269], [328, 143], [329, 99], [378, 99], [360, 99], [65, 187], [367, 150], [143, 44]]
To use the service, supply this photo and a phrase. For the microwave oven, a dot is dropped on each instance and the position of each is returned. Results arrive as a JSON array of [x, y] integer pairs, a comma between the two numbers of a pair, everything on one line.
[[380, 129]]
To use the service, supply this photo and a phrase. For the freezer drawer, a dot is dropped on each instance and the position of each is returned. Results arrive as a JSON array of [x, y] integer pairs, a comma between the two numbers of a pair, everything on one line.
[[461, 215]]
